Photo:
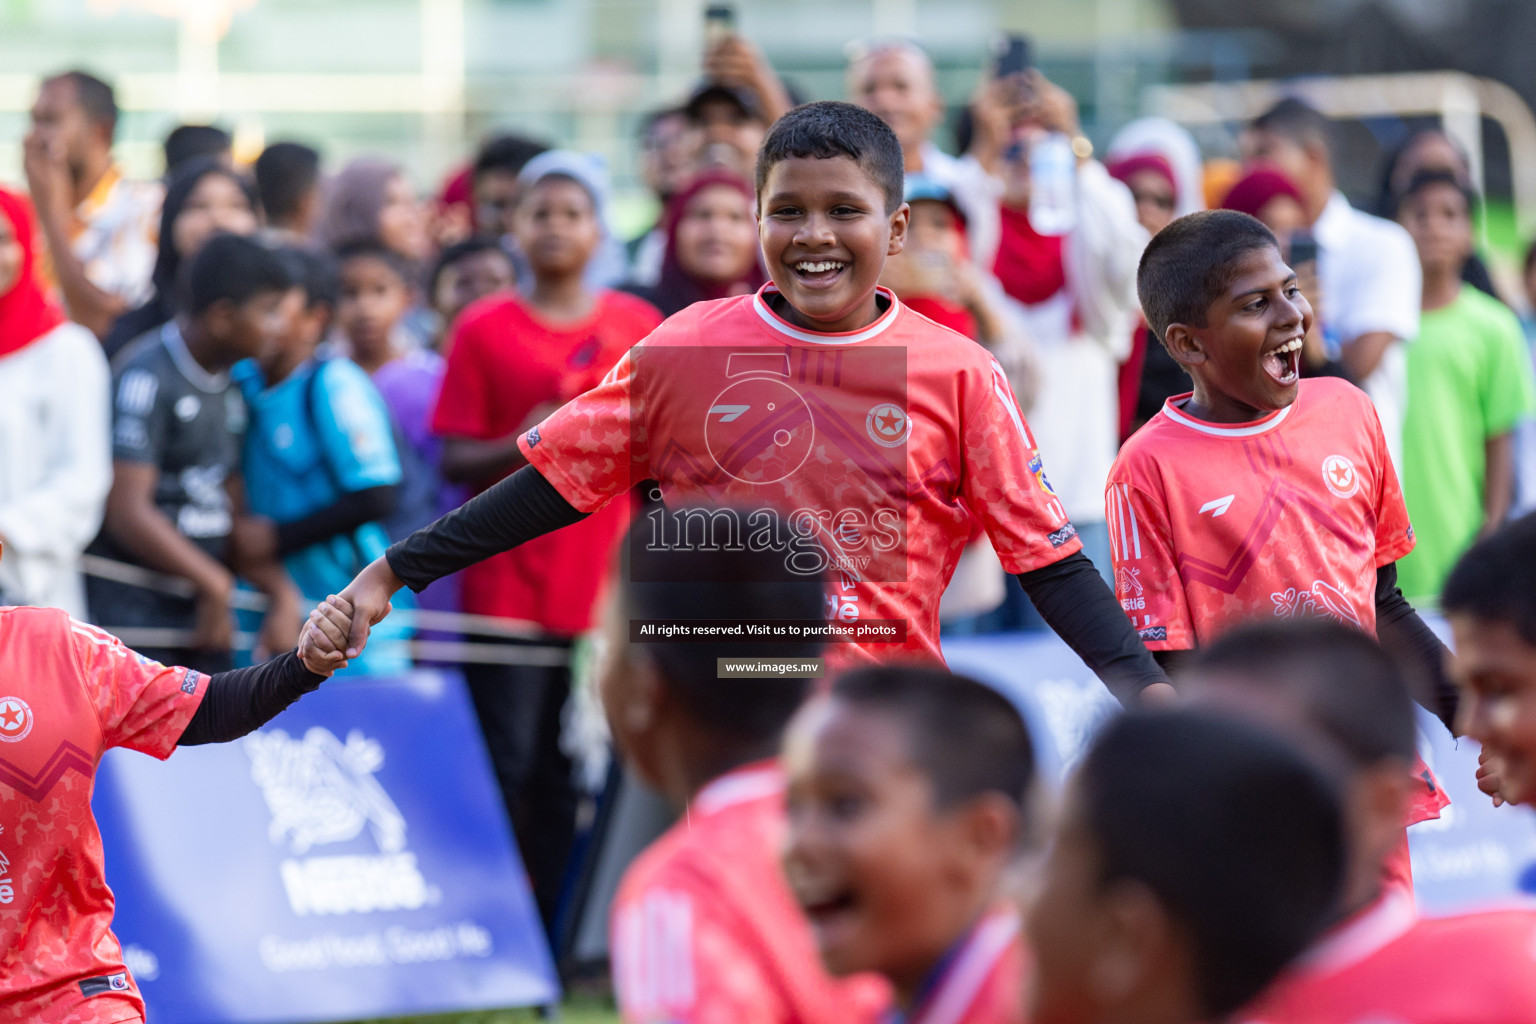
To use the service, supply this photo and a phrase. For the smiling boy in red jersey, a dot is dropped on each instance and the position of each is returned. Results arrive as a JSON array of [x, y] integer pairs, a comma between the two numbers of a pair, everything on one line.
[[884, 432], [1258, 494]]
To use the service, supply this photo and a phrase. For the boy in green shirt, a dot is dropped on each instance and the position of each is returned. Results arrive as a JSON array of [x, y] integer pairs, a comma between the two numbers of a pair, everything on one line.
[[1469, 384]]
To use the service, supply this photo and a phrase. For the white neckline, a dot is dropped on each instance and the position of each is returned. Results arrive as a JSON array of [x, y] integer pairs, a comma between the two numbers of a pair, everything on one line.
[[176, 345], [774, 321], [984, 947], [1391, 916], [1263, 426], [738, 787]]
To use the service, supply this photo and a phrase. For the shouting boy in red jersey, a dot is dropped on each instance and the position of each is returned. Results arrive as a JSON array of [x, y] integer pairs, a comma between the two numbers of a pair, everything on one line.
[[68, 692], [907, 795], [884, 433], [704, 929], [1322, 681]]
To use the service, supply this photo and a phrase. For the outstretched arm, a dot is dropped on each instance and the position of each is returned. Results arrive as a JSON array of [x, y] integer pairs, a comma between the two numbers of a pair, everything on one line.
[[523, 506], [1074, 601], [242, 701]]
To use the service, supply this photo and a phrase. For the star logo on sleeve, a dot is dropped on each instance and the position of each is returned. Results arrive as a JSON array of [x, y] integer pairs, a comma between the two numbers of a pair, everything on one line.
[[15, 719]]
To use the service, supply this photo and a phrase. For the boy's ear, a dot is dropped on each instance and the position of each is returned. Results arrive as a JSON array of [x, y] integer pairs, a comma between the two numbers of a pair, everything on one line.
[[899, 222], [989, 827], [1135, 946], [1184, 344]]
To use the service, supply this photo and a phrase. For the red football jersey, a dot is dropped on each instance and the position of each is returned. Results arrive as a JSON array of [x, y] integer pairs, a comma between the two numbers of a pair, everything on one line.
[[875, 447], [982, 981], [1384, 967], [504, 360], [705, 930], [1213, 524], [68, 691]]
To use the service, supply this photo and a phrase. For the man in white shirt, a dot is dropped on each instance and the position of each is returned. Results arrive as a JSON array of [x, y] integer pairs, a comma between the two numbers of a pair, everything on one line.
[[1367, 266]]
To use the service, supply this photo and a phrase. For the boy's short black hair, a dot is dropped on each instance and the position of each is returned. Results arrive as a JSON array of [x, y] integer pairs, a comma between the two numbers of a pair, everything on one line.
[[1344, 682], [285, 173], [678, 585], [191, 140], [507, 153], [315, 271], [1238, 834], [472, 246], [1296, 121], [234, 268], [372, 249], [964, 736], [1496, 579], [828, 129], [95, 96], [1191, 262], [1432, 177]]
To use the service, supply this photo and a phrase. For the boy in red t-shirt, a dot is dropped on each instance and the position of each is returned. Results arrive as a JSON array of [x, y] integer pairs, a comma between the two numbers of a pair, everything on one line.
[[907, 796], [884, 433], [1259, 494], [68, 692], [511, 360], [704, 929], [1322, 681]]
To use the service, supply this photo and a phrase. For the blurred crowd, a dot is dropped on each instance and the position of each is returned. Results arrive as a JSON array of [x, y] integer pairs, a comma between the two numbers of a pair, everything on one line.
[[254, 378]]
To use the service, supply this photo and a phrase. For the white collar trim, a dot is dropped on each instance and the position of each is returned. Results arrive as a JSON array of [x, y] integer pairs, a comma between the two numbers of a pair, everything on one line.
[[774, 321], [739, 787], [1372, 929], [1263, 426], [176, 345]]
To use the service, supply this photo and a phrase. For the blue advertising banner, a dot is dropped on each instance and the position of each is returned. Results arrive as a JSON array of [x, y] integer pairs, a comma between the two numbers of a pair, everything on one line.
[[1474, 856], [351, 859]]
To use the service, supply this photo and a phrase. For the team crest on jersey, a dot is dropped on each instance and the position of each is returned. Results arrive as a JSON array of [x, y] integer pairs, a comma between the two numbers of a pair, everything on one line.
[[1340, 476], [887, 425], [533, 438], [15, 719], [1037, 470]]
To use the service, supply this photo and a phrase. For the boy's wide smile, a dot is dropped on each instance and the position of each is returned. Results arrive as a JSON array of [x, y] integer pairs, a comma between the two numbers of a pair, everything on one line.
[[1283, 362]]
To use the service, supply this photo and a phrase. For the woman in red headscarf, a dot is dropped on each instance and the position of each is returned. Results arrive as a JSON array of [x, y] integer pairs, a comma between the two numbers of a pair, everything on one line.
[[712, 249], [55, 460]]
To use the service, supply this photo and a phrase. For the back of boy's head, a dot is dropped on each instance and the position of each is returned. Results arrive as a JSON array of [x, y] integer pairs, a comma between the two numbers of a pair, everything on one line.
[[191, 140], [828, 129], [1342, 681], [1238, 835], [671, 584], [1191, 262], [508, 154], [1495, 580], [1296, 121], [286, 172], [315, 271], [964, 736], [234, 268], [373, 249]]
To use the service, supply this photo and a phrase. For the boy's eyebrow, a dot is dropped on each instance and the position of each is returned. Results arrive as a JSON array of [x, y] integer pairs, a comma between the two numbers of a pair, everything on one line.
[[1261, 291], [836, 197]]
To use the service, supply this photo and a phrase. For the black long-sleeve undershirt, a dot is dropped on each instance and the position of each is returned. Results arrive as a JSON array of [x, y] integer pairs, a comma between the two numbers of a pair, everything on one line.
[[344, 515], [243, 700], [1400, 630], [523, 506], [1074, 600], [1070, 594]]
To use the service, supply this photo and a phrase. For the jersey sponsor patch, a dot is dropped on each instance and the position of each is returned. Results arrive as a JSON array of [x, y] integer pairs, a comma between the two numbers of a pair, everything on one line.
[[189, 681], [1061, 536], [533, 438], [105, 983], [1153, 633]]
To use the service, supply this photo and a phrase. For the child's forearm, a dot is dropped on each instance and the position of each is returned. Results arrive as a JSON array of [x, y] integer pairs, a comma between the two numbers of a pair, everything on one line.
[[516, 510], [1498, 479], [1399, 627]]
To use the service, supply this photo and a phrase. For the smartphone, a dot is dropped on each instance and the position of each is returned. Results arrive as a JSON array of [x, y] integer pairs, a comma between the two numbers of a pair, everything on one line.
[[1011, 55], [719, 23], [1303, 248]]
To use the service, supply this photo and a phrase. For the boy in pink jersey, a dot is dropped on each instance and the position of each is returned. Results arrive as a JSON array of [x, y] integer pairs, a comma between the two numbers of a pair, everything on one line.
[[866, 437], [68, 692], [908, 790], [704, 929], [1324, 682], [1258, 494]]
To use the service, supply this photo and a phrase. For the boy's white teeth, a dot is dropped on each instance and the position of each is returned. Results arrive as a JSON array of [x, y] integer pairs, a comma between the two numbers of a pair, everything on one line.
[[806, 267], [1290, 346]]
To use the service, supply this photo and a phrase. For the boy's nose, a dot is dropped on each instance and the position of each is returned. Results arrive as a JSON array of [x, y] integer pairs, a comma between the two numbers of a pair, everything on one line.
[[816, 231]]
